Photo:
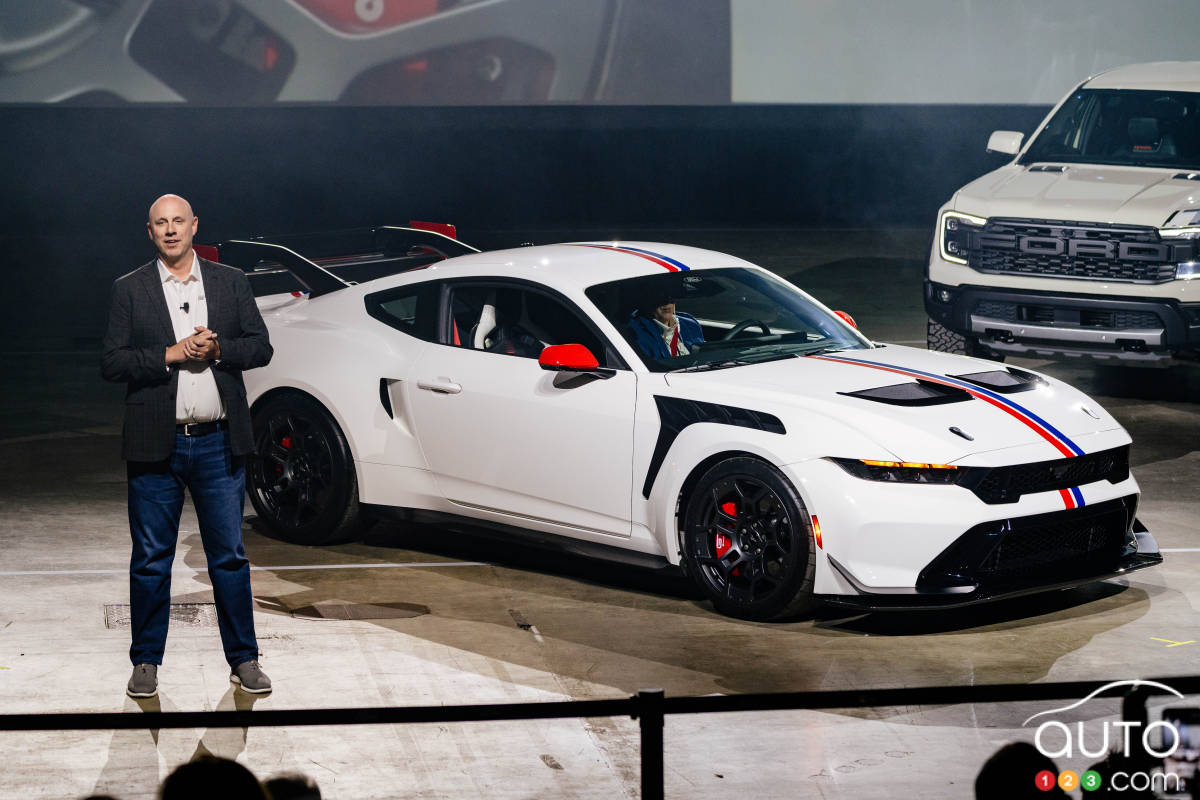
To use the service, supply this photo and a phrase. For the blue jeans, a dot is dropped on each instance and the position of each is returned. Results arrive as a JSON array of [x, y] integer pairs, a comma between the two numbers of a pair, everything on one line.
[[217, 482]]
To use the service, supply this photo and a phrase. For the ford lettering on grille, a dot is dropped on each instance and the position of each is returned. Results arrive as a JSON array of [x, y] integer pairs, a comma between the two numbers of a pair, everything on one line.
[[1073, 250]]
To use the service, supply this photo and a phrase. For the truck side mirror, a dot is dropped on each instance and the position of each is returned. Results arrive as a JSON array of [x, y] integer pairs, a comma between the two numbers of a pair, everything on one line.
[[1008, 142]]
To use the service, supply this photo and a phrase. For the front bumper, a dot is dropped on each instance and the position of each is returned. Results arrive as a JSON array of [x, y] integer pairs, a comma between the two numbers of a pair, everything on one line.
[[892, 545], [1018, 556], [1020, 321]]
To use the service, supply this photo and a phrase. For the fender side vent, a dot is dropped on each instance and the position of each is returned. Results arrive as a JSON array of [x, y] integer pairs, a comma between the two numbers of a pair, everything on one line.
[[385, 398], [675, 414]]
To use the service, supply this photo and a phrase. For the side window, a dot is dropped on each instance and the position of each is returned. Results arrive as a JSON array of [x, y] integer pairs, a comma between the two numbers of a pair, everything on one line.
[[409, 309], [516, 320], [559, 323], [467, 303]]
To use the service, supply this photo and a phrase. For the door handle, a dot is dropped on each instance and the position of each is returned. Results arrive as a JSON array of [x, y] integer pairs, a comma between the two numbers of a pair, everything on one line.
[[441, 386]]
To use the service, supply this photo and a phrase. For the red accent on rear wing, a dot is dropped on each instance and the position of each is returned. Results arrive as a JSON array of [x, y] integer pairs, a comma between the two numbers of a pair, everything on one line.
[[444, 228]]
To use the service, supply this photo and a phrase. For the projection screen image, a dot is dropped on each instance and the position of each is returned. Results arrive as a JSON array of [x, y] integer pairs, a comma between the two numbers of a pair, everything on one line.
[[363, 52], [533, 52]]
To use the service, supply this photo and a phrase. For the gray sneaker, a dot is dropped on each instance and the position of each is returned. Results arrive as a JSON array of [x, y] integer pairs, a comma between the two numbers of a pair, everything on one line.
[[251, 678], [143, 682]]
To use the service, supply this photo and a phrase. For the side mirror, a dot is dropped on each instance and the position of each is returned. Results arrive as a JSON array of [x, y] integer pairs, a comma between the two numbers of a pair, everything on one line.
[[572, 358], [846, 318], [1008, 142]]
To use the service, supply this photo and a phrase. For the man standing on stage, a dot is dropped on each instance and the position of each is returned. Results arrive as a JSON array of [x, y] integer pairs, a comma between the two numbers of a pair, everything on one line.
[[180, 332]]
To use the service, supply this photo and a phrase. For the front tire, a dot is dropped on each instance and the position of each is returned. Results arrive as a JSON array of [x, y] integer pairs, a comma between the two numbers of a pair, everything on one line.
[[940, 338], [301, 477], [749, 541]]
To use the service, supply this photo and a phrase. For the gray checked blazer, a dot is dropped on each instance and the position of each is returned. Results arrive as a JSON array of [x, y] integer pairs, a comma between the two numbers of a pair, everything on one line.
[[139, 332]]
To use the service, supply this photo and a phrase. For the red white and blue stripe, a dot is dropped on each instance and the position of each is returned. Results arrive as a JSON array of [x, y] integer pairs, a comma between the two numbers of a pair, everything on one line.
[[1073, 497], [666, 262]]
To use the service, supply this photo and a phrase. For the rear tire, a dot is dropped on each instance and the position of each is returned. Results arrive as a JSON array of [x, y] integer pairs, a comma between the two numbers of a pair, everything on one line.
[[301, 476], [940, 338], [749, 541]]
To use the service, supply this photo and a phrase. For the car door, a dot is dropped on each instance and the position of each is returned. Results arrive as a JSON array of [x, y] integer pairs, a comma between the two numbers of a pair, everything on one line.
[[510, 441]]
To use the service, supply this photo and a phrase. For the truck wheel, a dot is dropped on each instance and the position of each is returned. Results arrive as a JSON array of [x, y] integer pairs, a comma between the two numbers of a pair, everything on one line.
[[940, 338]]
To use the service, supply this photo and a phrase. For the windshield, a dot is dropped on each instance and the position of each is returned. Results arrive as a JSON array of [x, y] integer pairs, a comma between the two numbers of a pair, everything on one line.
[[719, 318], [1124, 127]]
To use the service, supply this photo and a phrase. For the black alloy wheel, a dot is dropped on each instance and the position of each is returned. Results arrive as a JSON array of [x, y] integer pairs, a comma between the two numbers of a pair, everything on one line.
[[749, 541], [301, 476]]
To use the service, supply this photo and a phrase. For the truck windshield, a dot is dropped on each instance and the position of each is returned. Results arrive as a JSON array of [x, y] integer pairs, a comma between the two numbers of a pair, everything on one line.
[[1122, 127]]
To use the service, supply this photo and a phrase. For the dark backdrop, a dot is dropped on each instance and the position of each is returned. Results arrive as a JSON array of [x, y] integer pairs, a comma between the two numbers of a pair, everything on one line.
[[77, 181]]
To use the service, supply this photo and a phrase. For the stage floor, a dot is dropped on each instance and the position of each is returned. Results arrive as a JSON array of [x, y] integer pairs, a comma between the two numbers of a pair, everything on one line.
[[424, 617]]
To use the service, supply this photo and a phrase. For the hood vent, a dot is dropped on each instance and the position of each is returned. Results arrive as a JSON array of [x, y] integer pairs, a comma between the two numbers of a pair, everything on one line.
[[1004, 381], [931, 393], [1048, 168], [1186, 176], [920, 393]]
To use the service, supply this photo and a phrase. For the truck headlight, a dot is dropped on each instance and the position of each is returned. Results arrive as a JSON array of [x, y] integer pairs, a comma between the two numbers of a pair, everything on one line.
[[1184, 225], [955, 229], [1181, 223]]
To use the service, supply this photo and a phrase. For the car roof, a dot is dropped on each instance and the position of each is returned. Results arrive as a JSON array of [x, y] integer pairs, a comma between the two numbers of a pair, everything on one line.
[[581, 264], [1172, 75]]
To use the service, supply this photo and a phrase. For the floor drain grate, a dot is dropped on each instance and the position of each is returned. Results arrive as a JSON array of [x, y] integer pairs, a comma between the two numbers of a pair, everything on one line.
[[350, 611], [189, 615]]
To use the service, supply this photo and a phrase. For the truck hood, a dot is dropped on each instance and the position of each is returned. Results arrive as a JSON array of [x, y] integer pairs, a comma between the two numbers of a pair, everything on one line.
[[815, 392], [1122, 195]]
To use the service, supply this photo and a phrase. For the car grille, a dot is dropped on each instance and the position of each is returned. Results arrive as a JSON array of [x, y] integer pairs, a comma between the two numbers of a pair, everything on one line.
[[1006, 484], [1087, 251], [1043, 548], [1070, 542], [1073, 317]]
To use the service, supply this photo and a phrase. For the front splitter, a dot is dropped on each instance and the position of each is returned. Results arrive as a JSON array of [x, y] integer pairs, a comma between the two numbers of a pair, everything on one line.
[[911, 599]]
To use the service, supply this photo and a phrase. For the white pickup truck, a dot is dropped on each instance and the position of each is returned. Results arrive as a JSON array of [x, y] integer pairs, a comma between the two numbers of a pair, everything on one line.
[[1088, 242]]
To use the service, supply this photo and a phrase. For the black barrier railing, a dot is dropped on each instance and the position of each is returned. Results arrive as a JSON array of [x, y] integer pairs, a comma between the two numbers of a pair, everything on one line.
[[648, 706]]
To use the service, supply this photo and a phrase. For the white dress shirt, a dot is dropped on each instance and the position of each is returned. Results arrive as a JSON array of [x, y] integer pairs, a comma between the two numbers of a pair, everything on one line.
[[669, 333], [197, 398]]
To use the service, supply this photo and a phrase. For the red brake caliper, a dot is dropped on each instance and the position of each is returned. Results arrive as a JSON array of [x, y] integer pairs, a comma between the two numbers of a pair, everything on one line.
[[723, 543], [287, 445]]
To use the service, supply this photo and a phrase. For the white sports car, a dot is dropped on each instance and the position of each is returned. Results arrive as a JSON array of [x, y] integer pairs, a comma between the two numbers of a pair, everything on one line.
[[663, 404]]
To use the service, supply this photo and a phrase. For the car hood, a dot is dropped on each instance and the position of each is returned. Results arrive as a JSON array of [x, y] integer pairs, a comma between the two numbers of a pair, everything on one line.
[[813, 391], [1123, 195]]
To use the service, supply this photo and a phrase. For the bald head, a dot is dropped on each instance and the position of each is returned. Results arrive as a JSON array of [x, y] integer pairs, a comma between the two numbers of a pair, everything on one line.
[[169, 203], [171, 225]]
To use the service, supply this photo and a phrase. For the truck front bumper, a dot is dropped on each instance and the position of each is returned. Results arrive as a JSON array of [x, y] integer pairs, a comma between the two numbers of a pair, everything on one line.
[[1025, 322]]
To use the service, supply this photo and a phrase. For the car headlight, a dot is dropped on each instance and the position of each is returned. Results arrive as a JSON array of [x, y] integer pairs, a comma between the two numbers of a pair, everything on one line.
[[955, 230], [899, 471]]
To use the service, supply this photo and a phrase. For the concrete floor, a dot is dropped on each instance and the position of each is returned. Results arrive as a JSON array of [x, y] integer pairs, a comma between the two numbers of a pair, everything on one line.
[[510, 624]]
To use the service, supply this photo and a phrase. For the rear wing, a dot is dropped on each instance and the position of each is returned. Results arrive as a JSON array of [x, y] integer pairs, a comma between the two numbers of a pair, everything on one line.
[[317, 264]]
